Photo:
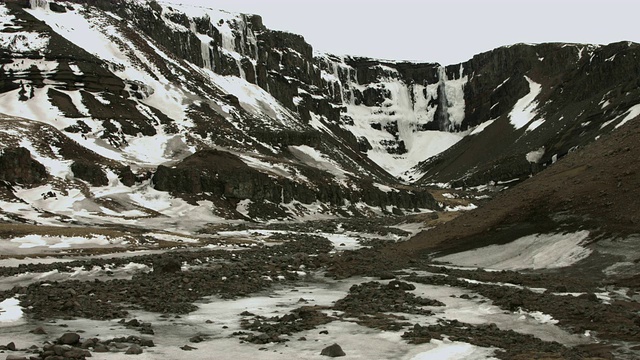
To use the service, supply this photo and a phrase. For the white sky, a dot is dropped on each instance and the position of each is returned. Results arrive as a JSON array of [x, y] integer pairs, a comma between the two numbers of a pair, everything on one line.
[[444, 31]]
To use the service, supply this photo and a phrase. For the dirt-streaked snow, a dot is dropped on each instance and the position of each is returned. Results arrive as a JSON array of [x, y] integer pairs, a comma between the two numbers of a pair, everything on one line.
[[538, 251]]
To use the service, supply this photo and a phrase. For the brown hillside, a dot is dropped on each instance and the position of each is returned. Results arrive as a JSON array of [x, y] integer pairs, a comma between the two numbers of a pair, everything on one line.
[[597, 187]]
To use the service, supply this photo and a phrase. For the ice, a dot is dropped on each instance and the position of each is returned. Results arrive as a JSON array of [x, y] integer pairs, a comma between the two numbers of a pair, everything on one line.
[[525, 109], [454, 90], [538, 251]]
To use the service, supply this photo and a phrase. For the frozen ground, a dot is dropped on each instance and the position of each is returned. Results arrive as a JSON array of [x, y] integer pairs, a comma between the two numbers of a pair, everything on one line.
[[216, 320]]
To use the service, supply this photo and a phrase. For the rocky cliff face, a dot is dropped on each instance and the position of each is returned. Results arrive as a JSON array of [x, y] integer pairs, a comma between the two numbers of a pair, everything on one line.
[[160, 97]]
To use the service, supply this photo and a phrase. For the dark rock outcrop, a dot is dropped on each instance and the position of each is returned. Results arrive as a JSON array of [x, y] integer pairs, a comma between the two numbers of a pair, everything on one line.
[[221, 174], [89, 172], [18, 167]]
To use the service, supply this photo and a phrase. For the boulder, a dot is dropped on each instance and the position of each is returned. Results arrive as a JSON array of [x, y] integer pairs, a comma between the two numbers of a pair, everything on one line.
[[69, 338], [333, 351]]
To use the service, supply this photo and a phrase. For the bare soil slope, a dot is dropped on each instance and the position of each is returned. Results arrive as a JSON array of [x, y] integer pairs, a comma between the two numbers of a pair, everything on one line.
[[596, 187]]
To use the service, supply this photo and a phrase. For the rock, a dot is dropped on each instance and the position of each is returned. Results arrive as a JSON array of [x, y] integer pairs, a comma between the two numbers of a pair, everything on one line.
[[126, 176], [89, 172], [69, 339], [11, 346], [61, 349], [38, 331], [188, 348], [77, 354], [134, 350], [333, 351], [15, 357], [17, 167], [100, 348], [147, 343], [196, 339], [57, 7], [166, 265]]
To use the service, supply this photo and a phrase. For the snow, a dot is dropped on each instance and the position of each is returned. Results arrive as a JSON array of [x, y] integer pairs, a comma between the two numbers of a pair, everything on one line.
[[535, 124], [535, 156], [313, 157], [106, 272], [525, 109], [425, 144], [254, 99], [60, 242], [540, 317], [55, 167], [461, 207], [480, 128], [632, 113], [407, 106], [10, 310], [23, 42], [384, 188], [538, 251], [159, 149], [453, 350]]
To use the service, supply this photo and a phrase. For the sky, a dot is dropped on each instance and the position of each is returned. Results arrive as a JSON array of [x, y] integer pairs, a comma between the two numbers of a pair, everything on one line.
[[444, 31]]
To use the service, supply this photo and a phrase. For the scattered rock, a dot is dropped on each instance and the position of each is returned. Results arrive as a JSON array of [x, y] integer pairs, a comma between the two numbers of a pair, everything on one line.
[[166, 265]]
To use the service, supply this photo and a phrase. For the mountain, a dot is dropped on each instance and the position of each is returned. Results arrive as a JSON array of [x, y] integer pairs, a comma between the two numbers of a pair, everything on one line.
[[128, 102], [176, 178]]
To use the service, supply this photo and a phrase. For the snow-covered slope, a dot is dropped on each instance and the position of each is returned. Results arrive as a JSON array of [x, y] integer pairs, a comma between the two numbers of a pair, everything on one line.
[[133, 93], [213, 107]]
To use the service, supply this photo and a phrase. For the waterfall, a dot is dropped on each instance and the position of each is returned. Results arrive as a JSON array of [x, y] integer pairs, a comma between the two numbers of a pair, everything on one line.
[[206, 54], [228, 41], [442, 113], [240, 69]]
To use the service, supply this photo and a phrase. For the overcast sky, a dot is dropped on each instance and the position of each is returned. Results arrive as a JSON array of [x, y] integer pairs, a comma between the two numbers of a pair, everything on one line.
[[445, 31]]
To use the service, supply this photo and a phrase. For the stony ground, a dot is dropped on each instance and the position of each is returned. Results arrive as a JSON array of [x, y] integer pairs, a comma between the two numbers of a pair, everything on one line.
[[180, 279]]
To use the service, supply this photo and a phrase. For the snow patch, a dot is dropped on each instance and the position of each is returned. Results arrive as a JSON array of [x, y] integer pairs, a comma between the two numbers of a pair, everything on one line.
[[631, 114], [525, 109], [535, 156], [10, 310], [538, 251]]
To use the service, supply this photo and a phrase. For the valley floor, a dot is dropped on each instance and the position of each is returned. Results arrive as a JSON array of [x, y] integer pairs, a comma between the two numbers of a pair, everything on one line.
[[273, 291]]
